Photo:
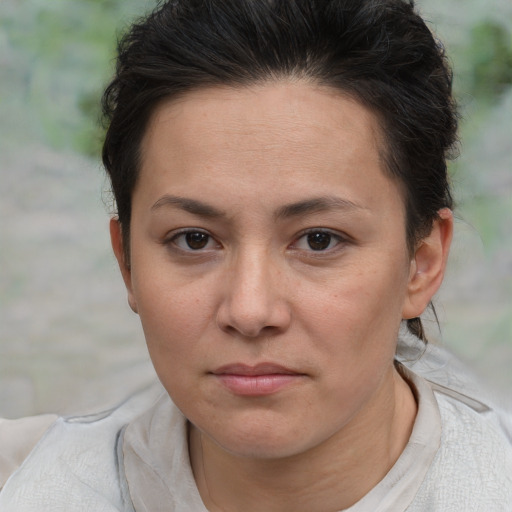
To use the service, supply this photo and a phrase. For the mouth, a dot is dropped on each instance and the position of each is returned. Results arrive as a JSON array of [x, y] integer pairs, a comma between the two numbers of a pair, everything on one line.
[[259, 380]]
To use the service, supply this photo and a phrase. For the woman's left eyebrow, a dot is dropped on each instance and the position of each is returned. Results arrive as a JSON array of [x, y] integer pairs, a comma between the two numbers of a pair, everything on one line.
[[317, 204]]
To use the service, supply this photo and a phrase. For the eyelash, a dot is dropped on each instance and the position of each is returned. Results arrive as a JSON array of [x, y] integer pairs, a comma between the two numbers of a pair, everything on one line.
[[332, 236]]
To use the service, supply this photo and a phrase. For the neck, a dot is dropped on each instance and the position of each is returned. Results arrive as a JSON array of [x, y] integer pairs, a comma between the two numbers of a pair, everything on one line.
[[330, 477]]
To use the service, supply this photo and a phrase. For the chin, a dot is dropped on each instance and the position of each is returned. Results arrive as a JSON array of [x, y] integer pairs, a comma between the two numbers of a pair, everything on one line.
[[263, 438]]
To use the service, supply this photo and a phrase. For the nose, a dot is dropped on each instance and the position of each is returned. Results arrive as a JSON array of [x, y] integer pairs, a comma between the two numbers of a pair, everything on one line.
[[254, 302]]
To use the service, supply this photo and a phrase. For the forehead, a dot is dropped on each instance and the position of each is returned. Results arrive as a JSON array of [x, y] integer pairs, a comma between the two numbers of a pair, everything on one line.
[[291, 109], [291, 136]]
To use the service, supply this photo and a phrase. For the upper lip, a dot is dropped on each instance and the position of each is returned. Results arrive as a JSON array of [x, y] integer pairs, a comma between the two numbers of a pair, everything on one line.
[[254, 370]]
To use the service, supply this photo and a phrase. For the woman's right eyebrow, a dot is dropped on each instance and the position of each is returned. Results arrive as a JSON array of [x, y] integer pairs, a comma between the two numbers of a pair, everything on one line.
[[189, 205]]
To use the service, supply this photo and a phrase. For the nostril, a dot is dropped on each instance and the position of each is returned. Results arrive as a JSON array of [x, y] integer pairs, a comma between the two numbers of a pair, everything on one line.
[[267, 323], [247, 329]]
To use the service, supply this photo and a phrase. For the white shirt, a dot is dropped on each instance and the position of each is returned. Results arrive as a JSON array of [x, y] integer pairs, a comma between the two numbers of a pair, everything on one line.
[[135, 457]]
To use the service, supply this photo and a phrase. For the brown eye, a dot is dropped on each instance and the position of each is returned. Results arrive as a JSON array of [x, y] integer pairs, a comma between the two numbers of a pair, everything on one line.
[[193, 241], [319, 240], [196, 240]]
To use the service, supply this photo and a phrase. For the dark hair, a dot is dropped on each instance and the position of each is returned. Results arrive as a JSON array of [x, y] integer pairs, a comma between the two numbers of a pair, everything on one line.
[[378, 51]]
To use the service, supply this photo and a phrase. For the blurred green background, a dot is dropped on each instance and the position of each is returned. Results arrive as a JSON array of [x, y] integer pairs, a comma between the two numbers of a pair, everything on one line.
[[68, 341]]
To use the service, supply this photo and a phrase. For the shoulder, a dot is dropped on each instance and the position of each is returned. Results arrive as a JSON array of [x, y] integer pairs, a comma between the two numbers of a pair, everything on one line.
[[75, 464], [472, 470], [475, 437], [18, 438]]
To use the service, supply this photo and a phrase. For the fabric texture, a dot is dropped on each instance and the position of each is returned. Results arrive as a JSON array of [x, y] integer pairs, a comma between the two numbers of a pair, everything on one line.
[[17, 438], [135, 457], [75, 466]]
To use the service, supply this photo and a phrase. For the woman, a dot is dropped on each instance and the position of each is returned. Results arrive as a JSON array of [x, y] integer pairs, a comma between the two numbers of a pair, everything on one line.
[[284, 218]]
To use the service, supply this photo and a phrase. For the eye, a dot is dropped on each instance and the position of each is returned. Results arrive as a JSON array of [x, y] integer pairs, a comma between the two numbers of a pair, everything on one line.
[[318, 240], [193, 240]]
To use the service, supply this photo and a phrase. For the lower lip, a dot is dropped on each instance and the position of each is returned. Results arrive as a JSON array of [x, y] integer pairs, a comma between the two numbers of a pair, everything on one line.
[[257, 385]]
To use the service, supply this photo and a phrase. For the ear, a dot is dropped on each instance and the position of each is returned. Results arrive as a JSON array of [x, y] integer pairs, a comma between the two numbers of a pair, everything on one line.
[[428, 266], [116, 238]]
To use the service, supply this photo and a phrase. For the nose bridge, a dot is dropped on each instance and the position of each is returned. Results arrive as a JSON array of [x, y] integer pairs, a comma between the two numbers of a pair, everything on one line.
[[250, 282], [254, 300]]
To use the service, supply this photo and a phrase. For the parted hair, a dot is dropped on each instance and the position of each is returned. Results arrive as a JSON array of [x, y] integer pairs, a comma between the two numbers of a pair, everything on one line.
[[380, 52]]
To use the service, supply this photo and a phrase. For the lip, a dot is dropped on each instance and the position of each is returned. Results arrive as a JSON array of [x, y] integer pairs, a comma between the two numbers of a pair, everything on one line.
[[258, 380]]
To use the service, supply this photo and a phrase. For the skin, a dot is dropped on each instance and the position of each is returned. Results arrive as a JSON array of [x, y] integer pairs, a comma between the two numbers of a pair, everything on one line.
[[255, 170]]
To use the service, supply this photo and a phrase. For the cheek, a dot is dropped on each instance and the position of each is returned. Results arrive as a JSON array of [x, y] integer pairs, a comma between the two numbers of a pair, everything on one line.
[[174, 319], [353, 340], [358, 313]]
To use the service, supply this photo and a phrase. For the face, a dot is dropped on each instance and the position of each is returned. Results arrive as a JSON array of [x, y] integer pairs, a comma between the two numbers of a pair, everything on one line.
[[269, 263]]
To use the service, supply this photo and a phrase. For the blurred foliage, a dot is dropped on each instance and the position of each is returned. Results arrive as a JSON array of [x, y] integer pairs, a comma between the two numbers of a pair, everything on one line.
[[490, 56], [62, 52], [56, 59]]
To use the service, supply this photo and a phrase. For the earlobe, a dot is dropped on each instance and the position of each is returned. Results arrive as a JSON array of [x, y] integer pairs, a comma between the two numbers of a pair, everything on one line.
[[428, 265], [116, 238]]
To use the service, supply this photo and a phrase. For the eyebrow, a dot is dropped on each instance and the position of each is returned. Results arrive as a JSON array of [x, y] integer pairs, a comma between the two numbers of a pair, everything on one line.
[[306, 207], [189, 205], [315, 205]]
